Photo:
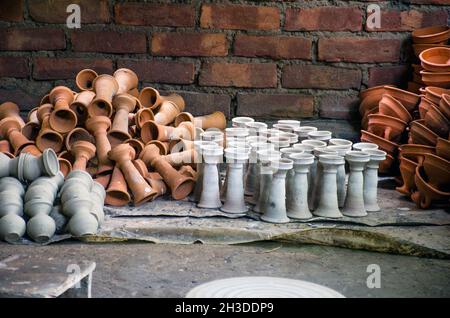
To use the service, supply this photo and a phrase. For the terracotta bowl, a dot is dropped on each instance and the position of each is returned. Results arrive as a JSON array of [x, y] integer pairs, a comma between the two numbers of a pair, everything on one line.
[[388, 127], [424, 106], [426, 193], [365, 119], [407, 171], [444, 105], [409, 100], [436, 59], [371, 97], [435, 93], [419, 48], [443, 148], [437, 122], [420, 134], [431, 35], [390, 106], [436, 79], [384, 144], [415, 149], [438, 171]]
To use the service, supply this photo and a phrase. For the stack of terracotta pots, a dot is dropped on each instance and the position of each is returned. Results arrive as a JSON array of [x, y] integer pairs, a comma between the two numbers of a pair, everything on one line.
[[122, 137]]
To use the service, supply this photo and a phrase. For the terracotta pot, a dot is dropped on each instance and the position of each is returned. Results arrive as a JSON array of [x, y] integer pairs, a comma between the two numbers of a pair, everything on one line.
[[47, 137], [117, 191], [214, 120], [154, 179], [83, 152], [62, 119], [407, 170], [64, 166], [5, 147], [142, 116], [188, 171], [436, 59], [141, 190], [424, 106], [435, 93], [85, 79], [437, 122], [443, 148], [31, 149], [105, 87], [152, 131], [134, 92], [10, 129], [384, 144], [76, 135], [150, 98], [426, 193], [12, 228], [9, 109], [31, 130], [387, 127], [415, 152], [98, 126], [80, 105], [179, 159], [409, 100], [103, 179], [441, 79], [370, 98], [123, 104], [41, 228], [126, 79], [136, 144], [434, 34], [419, 48], [420, 134], [438, 171], [167, 113], [444, 105], [390, 106]]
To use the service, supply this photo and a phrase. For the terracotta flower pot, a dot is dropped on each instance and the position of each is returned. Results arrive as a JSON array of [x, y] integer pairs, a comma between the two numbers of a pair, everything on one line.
[[407, 170], [152, 131], [444, 105], [370, 98], [62, 119], [98, 126], [437, 122], [10, 129], [434, 34], [438, 171], [105, 87], [391, 107], [441, 79], [420, 134], [162, 146], [150, 98], [435, 93], [426, 193], [117, 191], [387, 127], [85, 79], [443, 148], [384, 144], [409, 100], [122, 155], [415, 152], [142, 116], [80, 105], [83, 152], [424, 106], [123, 104], [136, 144], [126, 79], [9, 109], [436, 59]]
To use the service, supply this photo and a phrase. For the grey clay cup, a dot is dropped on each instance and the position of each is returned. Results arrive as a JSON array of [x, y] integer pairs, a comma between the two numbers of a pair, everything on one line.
[[41, 228], [12, 228], [38, 206], [82, 224]]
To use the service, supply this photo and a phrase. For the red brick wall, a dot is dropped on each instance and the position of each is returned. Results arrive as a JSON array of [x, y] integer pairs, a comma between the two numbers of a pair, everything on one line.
[[268, 59]]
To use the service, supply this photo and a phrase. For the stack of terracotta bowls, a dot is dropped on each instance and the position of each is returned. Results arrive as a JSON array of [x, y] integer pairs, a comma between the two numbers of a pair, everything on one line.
[[105, 127]]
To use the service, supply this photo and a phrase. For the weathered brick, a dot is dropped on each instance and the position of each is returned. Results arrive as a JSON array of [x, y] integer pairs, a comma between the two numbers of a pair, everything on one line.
[[277, 47], [189, 44], [11, 10], [47, 68], [109, 42], [155, 14], [199, 104], [34, 39], [324, 19], [338, 107], [359, 49], [275, 105], [155, 71], [244, 17], [26, 94], [316, 76], [14, 66], [380, 75], [55, 11], [238, 75], [435, 2], [396, 20]]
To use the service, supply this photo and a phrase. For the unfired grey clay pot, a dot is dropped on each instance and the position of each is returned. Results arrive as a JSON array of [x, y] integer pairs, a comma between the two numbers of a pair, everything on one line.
[[41, 228], [354, 201], [12, 227], [210, 197], [371, 180], [265, 157], [82, 224], [234, 198], [38, 206], [11, 203], [12, 184], [59, 218]]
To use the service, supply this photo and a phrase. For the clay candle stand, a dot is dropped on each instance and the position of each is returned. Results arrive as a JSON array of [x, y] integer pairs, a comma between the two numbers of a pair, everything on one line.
[[444, 105], [354, 201], [252, 175], [210, 196], [154, 179], [122, 155], [387, 127], [167, 113], [98, 126], [62, 119], [426, 193], [199, 155], [241, 121], [142, 116], [123, 104], [126, 79], [322, 135], [371, 179], [152, 131], [10, 130], [265, 157], [150, 98], [9, 109], [85, 79], [105, 87], [316, 177], [12, 225], [47, 137], [214, 120], [80, 105], [76, 135], [117, 190], [83, 152]]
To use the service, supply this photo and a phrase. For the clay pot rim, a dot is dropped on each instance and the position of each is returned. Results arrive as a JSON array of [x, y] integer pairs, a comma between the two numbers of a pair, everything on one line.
[[259, 145], [406, 95], [418, 174], [357, 156], [242, 120], [182, 117], [78, 81], [305, 129], [331, 159], [154, 92], [425, 62], [94, 122], [292, 122], [124, 98], [267, 154], [428, 33], [405, 146], [216, 135], [381, 139], [305, 147], [340, 142], [372, 90], [93, 105], [291, 150], [282, 164], [320, 133], [162, 148], [376, 154], [324, 151], [50, 162], [188, 126], [302, 158], [314, 142], [397, 103], [235, 153], [423, 127], [138, 117], [380, 116], [68, 142], [236, 132], [53, 122]]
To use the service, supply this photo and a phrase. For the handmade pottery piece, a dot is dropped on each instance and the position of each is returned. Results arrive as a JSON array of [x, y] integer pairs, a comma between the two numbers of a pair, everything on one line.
[[142, 116], [29, 167], [47, 137], [341, 150], [214, 120], [426, 193], [434, 34], [371, 179], [10, 130], [314, 143], [283, 127], [441, 79], [39, 205], [328, 202], [252, 175], [83, 152], [407, 99], [167, 113], [390, 106], [407, 171], [12, 228], [98, 126], [200, 166], [152, 131], [31, 130], [419, 48], [438, 171], [274, 209], [150, 98], [255, 128], [126, 79], [436, 59], [290, 122], [80, 105], [420, 134], [178, 159], [354, 201], [234, 198], [236, 134], [434, 94], [185, 130], [316, 176], [363, 146], [76, 135], [384, 144], [424, 106], [216, 136], [303, 131], [82, 224], [265, 157], [123, 105], [443, 148], [59, 218], [437, 122], [12, 203], [293, 138], [41, 228], [11, 110], [370, 98], [241, 121], [297, 202], [267, 133], [387, 127], [210, 196], [444, 105], [322, 135], [117, 191], [85, 79], [62, 119], [280, 142], [105, 88]]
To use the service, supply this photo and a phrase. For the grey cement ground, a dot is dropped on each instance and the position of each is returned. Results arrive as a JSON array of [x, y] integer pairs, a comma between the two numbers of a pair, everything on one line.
[[160, 270]]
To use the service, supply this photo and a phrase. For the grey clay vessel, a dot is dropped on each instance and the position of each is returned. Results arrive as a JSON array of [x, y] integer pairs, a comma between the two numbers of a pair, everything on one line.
[[41, 228], [82, 224], [12, 228]]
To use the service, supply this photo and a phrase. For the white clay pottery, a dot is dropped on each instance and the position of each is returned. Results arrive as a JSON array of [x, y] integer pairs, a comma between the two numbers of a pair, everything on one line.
[[12, 228], [314, 143], [254, 128], [303, 131], [82, 224], [371, 179], [283, 127], [290, 122], [47, 164], [77, 205], [9, 183], [323, 135], [362, 146], [37, 206], [252, 175], [83, 177], [280, 142], [297, 196], [316, 176], [210, 196], [241, 121], [41, 228], [293, 138], [234, 197], [213, 135], [199, 182], [4, 165], [265, 157]]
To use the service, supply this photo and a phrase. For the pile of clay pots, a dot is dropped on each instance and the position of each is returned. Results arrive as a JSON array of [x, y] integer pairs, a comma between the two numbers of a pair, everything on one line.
[[109, 130], [285, 172], [30, 196]]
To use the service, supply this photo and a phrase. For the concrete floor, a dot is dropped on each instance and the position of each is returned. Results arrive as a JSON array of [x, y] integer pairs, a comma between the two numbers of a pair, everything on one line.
[[160, 270]]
